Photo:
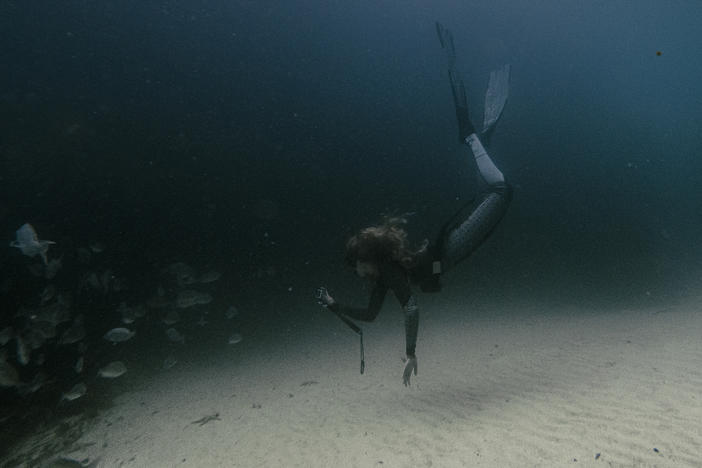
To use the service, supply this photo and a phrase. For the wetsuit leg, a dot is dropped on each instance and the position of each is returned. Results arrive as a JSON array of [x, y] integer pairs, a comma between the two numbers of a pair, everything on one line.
[[466, 230], [474, 222]]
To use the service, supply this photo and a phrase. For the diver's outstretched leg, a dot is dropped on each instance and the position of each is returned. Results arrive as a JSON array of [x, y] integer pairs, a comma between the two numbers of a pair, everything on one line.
[[472, 224], [468, 228]]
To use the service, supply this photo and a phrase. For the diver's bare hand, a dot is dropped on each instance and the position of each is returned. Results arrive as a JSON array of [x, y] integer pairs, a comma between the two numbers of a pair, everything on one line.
[[410, 365], [323, 297]]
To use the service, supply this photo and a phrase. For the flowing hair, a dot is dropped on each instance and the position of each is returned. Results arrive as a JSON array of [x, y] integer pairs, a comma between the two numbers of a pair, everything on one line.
[[386, 242]]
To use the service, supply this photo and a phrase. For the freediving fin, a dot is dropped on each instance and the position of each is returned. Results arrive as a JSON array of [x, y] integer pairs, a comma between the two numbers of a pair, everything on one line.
[[495, 100]]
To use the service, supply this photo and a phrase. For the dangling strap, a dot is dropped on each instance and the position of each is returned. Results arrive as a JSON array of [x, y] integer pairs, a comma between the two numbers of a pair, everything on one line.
[[358, 331], [363, 359]]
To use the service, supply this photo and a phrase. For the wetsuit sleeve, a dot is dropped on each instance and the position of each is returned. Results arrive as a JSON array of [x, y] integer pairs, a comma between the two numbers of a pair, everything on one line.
[[396, 278], [411, 325], [371, 312]]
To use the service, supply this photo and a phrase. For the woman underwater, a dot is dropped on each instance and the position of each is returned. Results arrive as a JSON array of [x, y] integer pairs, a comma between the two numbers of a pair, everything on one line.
[[381, 253]]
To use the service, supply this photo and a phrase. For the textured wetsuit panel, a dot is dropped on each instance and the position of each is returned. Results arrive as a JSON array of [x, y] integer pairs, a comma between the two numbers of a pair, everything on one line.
[[471, 227], [411, 310]]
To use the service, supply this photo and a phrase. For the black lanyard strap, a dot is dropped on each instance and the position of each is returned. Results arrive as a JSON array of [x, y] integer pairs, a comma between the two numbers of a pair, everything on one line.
[[358, 331]]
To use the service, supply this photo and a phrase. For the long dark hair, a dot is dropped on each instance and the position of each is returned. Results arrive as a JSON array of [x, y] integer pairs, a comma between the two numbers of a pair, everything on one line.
[[386, 242]]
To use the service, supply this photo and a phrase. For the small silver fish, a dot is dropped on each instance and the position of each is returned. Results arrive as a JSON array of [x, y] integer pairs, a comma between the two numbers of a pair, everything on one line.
[[46, 328], [89, 281], [235, 338], [210, 276], [22, 351], [169, 362], [76, 392], [231, 312], [128, 315], [189, 298], [171, 317], [97, 247], [106, 280], [78, 366], [47, 294], [183, 273], [118, 335], [74, 334], [175, 336], [139, 311], [113, 370], [35, 384], [34, 338], [8, 374], [6, 335], [53, 266]]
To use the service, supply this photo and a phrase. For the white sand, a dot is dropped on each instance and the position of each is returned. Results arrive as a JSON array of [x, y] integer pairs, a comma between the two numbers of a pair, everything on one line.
[[511, 387]]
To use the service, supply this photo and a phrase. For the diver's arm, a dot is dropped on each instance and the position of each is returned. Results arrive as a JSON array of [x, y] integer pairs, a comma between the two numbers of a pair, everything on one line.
[[368, 314], [411, 311], [396, 278]]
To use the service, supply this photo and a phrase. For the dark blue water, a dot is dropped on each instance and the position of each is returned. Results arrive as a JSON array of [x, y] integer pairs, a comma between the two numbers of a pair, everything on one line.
[[255, 137]]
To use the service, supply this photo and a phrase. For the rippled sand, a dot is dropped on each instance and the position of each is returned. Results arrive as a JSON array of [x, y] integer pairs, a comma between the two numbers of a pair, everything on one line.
[[507, 387]]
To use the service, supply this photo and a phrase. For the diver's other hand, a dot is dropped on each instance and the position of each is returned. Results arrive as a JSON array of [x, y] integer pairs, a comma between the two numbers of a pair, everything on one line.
[[323, 297], [410, 365]]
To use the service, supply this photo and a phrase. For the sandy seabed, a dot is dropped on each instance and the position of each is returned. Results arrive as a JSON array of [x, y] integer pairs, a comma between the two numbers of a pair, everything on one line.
[[511, 387]]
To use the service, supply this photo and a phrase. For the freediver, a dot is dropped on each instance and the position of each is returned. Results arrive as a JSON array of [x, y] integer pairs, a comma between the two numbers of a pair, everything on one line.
[[382, 253]]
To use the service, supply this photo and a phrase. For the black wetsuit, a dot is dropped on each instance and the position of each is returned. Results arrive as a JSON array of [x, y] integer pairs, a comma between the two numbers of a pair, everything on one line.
[[392, 276], [458, 238]]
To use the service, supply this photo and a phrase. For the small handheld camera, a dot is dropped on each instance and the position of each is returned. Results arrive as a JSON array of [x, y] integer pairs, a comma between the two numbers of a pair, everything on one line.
[[319, 294]]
